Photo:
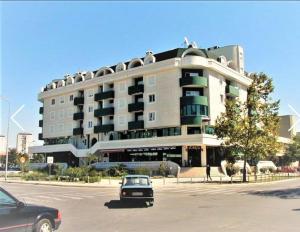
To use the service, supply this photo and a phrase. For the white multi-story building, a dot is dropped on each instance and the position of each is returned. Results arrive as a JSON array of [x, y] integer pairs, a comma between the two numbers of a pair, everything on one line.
[[2, 145], [159, 107], [24, 140]]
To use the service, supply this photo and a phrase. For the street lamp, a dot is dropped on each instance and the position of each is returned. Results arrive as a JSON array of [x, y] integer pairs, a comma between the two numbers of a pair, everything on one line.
[[7, 134]]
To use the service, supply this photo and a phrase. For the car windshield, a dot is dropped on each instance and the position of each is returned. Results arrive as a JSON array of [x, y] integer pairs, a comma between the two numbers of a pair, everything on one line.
[[136, 181], [6, 199]]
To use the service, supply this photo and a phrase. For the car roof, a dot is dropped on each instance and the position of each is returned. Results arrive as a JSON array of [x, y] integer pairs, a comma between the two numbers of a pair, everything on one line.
[[145, 176]]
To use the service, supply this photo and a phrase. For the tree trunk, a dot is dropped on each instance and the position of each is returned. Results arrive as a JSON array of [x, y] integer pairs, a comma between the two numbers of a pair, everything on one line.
[[244, 169]]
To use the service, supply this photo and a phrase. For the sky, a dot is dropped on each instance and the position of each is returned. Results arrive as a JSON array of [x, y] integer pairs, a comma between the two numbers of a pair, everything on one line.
[[42, 41]]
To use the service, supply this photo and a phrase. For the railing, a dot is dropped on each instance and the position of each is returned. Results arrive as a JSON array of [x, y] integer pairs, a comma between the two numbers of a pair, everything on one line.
[[139, 88], [104, 95]]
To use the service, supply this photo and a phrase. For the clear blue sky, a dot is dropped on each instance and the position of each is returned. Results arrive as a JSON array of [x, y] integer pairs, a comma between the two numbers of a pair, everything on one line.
[[42, 41]]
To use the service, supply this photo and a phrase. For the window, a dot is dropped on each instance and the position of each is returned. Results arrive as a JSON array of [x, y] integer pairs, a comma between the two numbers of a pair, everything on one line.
[[51, 129], [121, 120], [70, 112], [90, 109], [62, 100], [151, 98], [91, 93], [53, 101], [151, 81], [61, 114], [192, 93], [222, 98], [193, 74], [52, 115], [151, 116], [121, 103], [71, 98], [6, 200], [122, 87], [90, 124]]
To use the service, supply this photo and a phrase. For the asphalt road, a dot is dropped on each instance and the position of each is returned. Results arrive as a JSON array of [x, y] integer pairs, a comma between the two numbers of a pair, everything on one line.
[[184, 207]]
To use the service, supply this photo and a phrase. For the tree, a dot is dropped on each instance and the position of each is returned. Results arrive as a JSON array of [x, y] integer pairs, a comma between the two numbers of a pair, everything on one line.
[[292, 153], [251, 127], [12, 156]]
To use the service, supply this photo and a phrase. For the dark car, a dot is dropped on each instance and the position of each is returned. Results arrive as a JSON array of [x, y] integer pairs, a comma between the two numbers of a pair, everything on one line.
[[138, 188], [17, 216]]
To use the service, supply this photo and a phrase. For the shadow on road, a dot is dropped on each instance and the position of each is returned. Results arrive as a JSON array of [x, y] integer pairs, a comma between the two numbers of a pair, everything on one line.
[[291, 193], [296, 209], [117, 204]]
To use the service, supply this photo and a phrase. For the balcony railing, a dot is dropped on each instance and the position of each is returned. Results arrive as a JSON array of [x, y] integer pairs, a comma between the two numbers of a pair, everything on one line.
[[41, 111], [190, 100], [104, 112], [104, 95], [232, 91], [197, 81], [103, 128], [78, 116], [137, 106], [78, 131], [135, 89], [40, 123], [136, 125], [78, 101]]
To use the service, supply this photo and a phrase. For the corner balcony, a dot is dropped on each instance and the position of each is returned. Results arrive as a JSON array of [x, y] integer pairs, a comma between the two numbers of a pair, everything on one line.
[[135, 89], [197, 81], [41, 111], [78, 131], [40, 123], [103, 128], [78, 116], [191, 120], [136, 125], [191, 100], [137, 106], [104, 112], [41, 136], [232, 91], [104, 95], [78, 101]]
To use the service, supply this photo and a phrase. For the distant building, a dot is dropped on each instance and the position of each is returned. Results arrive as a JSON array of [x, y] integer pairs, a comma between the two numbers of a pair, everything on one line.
[[287, 122], [2, 145], [24, 140]]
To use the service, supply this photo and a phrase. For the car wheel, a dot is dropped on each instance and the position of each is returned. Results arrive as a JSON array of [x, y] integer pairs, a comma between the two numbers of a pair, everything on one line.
[[151, 203], [43, 225]]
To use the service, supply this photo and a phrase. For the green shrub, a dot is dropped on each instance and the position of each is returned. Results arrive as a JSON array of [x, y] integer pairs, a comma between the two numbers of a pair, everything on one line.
[[232, 169], [164, 169], [119, 170], [93, 173], [35, 176], [91, 179], [77, 172], [142, 171]]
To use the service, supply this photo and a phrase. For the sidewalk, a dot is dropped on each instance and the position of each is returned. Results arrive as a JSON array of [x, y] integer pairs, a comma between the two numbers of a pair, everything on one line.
[[156, 182]]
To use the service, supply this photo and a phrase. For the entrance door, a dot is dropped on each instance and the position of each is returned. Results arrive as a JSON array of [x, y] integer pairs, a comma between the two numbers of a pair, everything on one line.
[[194, 156]]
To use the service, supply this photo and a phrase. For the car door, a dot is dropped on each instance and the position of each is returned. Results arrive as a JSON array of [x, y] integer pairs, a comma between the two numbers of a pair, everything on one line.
[[13, 216]]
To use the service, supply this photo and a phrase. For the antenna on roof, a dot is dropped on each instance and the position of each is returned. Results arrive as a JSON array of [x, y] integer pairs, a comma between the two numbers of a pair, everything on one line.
[[194, 44], [186, 42]]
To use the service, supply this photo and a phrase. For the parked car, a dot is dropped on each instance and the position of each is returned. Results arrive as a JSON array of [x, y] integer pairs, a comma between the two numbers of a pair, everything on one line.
[[18, 216], [138, 188]]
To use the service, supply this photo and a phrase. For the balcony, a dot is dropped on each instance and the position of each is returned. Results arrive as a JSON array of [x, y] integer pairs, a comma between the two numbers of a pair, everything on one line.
[[78, 101], [191, 120], [232, 91], [135, 89], [104, 112], [209, 130], [78, 116], [197, 81], [103, 128], [41, 136], [137, 106], [191, 100], [40, 123], [104, 95], [41, 110], [136, 125], [78, 131]]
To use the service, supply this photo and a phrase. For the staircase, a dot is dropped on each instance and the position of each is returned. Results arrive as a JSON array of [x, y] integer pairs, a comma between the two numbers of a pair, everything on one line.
[[187, 172]]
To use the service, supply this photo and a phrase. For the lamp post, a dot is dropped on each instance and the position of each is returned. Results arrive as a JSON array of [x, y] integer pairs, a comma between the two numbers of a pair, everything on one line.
[[7, 134]]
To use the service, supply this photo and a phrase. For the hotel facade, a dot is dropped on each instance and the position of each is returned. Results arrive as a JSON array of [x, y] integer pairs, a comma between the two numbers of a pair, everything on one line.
[[162, 106]]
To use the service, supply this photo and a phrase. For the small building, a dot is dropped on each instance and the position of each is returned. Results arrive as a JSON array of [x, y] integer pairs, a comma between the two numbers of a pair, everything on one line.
[[24, 140]]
